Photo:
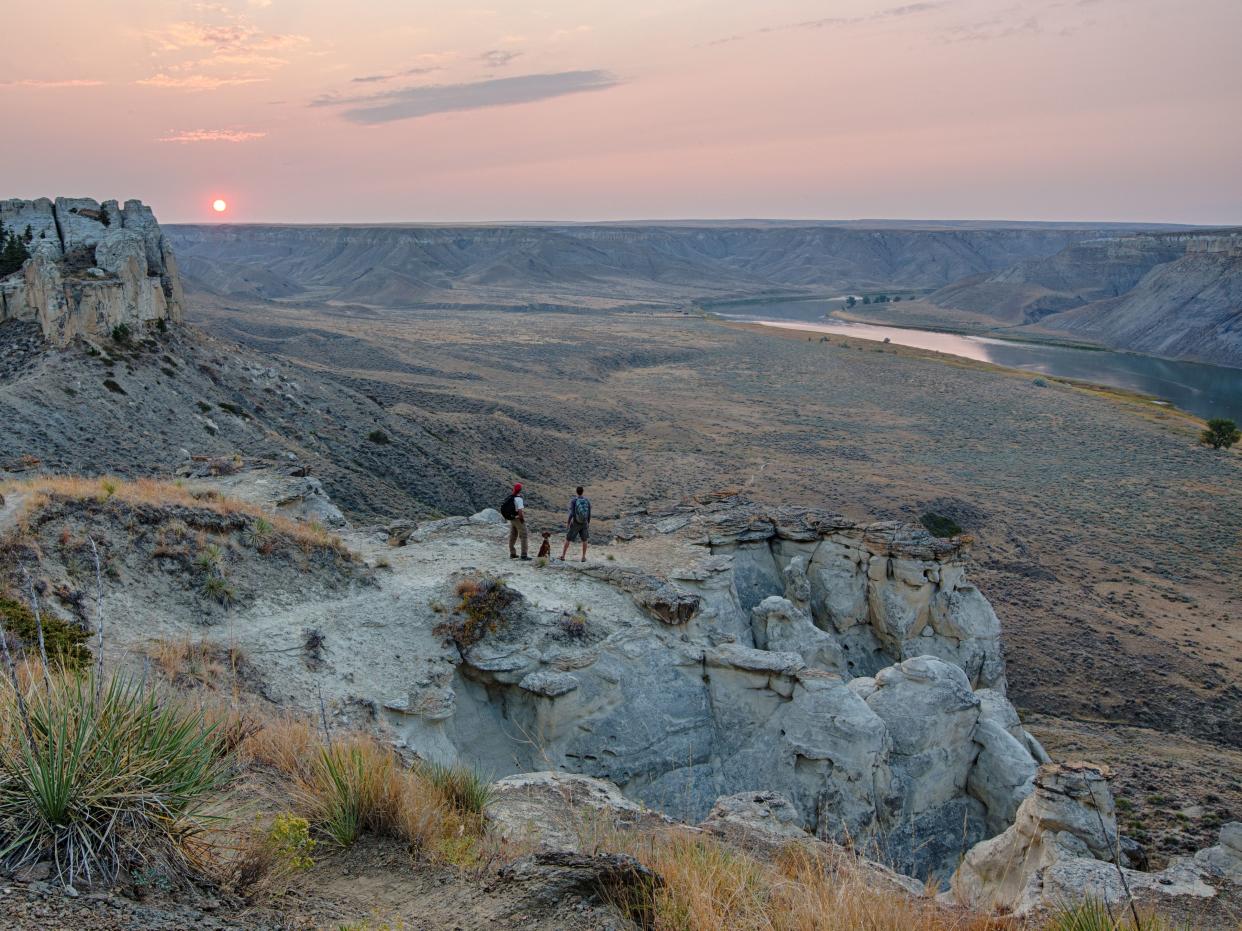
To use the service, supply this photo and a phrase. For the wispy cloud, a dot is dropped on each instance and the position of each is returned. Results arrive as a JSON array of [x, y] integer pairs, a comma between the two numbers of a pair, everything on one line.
[[198, 82], [995, 28], [499, 57], [186, 136], [828, 22], [413, 102], [221, 54], [62, 82], [236, 37], [409, 72]]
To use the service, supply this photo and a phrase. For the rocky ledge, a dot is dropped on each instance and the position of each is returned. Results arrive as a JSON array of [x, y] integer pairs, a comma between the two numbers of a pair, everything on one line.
[[92, 267]]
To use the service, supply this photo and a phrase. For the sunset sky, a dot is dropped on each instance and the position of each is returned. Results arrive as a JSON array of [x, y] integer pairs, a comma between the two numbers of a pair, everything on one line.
[[381, 110]]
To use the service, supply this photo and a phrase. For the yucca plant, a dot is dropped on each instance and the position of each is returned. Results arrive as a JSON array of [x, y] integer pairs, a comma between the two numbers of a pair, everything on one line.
[[1095, 915], [105, 778], [466, 790]]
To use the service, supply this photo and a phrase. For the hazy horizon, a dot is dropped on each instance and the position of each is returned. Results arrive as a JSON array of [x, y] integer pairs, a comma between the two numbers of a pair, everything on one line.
[[407, 111]]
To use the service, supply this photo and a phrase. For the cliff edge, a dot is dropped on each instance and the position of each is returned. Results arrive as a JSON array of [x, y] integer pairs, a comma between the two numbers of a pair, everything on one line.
[[91, 267]]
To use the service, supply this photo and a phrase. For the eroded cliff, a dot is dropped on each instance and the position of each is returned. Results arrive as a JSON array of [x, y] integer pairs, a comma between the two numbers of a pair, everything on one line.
[[92, 267]]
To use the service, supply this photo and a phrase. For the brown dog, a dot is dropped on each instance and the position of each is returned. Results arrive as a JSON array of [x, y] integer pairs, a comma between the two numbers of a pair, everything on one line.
[[545, 548]]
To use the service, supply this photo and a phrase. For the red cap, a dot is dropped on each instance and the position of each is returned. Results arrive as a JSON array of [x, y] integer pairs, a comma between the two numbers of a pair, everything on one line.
[[517, 488]]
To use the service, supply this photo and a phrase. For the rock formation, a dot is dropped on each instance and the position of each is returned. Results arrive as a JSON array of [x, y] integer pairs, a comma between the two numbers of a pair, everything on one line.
[[796, 652], [1064, 847], [92, 267]]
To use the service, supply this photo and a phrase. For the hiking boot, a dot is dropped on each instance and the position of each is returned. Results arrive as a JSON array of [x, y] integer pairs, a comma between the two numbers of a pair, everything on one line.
[[525, 559], [513, 556]]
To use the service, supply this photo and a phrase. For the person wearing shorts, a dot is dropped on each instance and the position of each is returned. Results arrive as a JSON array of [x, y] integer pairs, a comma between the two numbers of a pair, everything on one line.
[[579, 524]]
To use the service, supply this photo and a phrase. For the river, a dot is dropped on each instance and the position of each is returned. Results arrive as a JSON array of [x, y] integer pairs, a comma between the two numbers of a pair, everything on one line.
[[1205, 390]]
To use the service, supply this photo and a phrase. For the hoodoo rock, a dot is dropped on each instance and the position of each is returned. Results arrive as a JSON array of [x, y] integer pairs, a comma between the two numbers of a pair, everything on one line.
[[92, 267]]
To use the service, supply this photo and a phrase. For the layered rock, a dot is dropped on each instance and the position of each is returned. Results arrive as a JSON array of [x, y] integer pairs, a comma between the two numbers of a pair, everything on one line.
[[846, 683], [93, 267]]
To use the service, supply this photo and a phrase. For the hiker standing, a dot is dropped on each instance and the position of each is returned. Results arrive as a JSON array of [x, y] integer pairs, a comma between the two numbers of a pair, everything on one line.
[[579, 523], [514, 511]]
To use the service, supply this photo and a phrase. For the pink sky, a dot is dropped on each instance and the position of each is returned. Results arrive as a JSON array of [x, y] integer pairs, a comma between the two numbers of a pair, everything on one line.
[[384, 110]]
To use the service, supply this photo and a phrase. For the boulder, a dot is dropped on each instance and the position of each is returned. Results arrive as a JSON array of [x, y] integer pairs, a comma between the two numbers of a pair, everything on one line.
[[1225, 859], [760, 819], [563, 811]]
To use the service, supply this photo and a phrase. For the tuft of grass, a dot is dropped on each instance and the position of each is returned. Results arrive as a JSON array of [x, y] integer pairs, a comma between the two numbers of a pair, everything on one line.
[[195, 663], [104, 779], [114, 386], [357, 786], [465, 789]]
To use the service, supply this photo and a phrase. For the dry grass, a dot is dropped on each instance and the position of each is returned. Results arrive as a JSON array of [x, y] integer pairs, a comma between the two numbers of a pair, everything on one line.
[[145, 492], [196, 662], [355, 785], [706, 885]]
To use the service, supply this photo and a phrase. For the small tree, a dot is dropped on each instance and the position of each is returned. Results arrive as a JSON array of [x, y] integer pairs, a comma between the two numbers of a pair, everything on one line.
[[1221, 433], [13, 252], [850, 301], [866, 300]]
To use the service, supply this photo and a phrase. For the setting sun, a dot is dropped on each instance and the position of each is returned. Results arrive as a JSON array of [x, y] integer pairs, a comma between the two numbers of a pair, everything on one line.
[[219, 206]]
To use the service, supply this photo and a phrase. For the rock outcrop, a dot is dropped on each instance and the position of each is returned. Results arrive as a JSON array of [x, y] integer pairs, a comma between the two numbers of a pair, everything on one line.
[[795, 652], [92, 267], [1064, 847]]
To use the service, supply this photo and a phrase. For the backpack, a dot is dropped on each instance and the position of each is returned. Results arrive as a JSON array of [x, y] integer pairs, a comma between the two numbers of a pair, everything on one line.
[[582, 510], [508, 510]]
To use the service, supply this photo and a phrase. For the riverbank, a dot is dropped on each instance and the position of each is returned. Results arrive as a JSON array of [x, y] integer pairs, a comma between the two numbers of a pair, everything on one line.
[[1148, 405], [1199, 390]]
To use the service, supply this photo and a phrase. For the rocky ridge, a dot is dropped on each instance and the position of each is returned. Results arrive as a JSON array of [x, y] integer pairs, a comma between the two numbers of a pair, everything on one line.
[[590, 265], [92, 267], [1169, 294]]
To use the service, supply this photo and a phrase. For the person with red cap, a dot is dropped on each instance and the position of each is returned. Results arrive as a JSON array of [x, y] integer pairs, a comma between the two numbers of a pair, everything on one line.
[[514, 511]]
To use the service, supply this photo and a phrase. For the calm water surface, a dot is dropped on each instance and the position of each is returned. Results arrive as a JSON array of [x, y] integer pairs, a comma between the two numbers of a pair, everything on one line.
[[1205, 390]]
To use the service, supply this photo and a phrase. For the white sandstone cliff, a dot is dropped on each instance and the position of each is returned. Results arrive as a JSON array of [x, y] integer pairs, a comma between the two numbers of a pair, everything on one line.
[[92, 267]]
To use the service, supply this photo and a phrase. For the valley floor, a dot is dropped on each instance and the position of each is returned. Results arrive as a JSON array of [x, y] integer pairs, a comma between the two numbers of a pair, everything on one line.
[[1106, 537]]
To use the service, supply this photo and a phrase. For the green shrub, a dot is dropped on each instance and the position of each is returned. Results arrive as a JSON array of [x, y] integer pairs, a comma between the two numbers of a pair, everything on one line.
[[235, 410], [1221, 433], [65, 643], [940, 525], [112, 385], [218, 589], [484, 608], [379, 437], [121, 334], [108, 778]]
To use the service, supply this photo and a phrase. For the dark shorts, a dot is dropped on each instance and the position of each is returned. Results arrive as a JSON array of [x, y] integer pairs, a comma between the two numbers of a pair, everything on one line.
[[579, 532]]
